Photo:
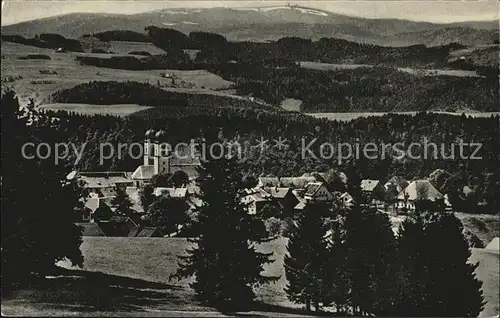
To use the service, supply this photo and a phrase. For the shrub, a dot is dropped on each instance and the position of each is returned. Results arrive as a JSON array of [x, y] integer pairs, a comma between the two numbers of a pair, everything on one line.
[[273, 226]]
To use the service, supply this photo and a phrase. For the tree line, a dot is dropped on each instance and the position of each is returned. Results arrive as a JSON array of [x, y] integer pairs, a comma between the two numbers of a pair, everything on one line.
[[246, 125]]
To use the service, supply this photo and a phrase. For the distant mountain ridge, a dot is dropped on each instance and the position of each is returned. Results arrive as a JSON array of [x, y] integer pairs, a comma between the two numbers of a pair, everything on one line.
[[268, 23]]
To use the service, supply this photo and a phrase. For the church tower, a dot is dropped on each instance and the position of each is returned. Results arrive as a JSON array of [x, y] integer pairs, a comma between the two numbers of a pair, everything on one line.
[[149, 141], [161, 157]]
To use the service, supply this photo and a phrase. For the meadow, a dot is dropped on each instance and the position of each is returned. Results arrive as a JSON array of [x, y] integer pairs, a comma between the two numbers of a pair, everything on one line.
[[89, 109], [354, 115], [39, 79], [130, 277], [423, 72]]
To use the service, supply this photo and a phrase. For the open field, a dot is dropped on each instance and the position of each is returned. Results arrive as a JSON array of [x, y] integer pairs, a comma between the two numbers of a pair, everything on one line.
[[38, 79], [423, 72], [291, 104], [484, 226], [88, 109], [130, 276], [123, 48], [352, 115], [488, 272]]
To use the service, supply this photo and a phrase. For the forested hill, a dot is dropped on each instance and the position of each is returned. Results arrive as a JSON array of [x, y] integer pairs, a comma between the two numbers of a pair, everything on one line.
[[268, 23]]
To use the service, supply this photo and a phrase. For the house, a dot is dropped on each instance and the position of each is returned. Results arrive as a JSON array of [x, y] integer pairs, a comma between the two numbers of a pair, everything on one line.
[[100, 208], [284, 198], [317, 191], [91, 229], [285, 182], [102, 183], [117, 226], [419, 193], [346, 200], [255, 200], [177, 193], [150, 232], [394, 186], [373, 190]]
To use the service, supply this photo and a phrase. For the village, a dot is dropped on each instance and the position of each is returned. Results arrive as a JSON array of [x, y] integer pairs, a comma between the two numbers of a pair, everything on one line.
[[284, 196]]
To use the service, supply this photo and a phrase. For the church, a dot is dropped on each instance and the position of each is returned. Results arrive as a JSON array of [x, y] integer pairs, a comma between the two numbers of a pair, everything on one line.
[[158, 160]]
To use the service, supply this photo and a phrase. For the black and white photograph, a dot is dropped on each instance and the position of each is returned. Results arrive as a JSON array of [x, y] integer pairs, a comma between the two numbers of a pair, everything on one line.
[[179, 158]]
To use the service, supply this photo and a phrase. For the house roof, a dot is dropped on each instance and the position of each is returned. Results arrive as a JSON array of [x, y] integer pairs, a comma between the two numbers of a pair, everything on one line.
[[312, 188], [301, 205], [494, 245], [119, 219], [269, 181], [369, 185], [420, 190], [346, 195], [91, 229], [296, 182], [144, 172], [399, 182], [93, 203], [134, 231], [103, 181], [278, 193], [172, 192], [150, 232]]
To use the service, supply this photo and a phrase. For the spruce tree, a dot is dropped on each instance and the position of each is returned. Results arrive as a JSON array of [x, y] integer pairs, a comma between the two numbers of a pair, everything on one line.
[[224, 258], [434, 257], [337, 291], [37, 201], [121, 202], [306, 255], [371, 246], [147, 196]]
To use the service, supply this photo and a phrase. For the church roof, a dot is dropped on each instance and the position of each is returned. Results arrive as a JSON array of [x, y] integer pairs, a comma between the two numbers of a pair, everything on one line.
[[144, 172]]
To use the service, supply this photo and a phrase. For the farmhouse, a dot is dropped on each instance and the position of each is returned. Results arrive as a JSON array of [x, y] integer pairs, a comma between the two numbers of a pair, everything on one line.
[[317, 191], [394, 186], [419, 192], [102, 183], [373, 190]]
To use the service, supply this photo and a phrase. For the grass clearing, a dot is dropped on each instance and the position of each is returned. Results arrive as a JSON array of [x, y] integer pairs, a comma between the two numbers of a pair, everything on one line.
[[421, 72], [291, 104], [89, 109], [130, 277], [63, 71], [354, 115]]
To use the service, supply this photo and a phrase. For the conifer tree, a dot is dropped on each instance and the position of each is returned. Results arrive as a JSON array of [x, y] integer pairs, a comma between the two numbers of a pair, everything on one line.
[[121, 202], [147, 196], [371, 247], [337, 291], [224, 258], [305, 259], [433, 257], [37, 201]]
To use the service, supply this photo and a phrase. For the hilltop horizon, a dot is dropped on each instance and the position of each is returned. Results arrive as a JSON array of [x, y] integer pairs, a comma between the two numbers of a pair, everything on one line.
[[444, 13]]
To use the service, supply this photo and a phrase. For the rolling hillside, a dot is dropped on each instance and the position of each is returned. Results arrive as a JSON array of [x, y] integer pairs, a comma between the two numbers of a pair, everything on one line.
[[268, 23]]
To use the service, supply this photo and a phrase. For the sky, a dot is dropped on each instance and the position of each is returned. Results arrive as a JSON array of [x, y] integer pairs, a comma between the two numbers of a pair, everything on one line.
[[14, 11]]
